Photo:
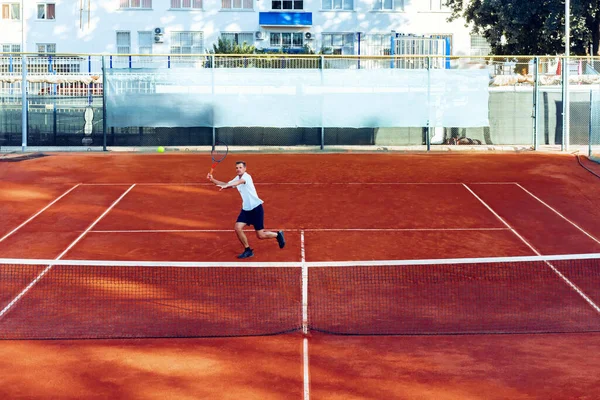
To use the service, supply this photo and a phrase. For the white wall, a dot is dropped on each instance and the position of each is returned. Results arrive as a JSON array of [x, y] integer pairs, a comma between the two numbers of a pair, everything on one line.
[[72, 32]]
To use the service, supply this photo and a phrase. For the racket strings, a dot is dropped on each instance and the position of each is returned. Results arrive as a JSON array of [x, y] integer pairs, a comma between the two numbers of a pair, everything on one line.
[[219, 152], [218, 155]]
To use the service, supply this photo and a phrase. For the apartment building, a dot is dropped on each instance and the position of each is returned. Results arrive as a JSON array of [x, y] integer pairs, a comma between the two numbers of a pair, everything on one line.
[[346, 27]]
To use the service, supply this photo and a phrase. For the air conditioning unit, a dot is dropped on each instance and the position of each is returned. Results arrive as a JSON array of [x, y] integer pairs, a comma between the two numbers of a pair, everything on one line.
[[259, 35], [159, 31], [158, 39], [308, 36]]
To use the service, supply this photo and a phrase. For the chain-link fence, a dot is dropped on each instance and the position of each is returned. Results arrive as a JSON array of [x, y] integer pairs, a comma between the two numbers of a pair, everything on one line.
[[65, 102]]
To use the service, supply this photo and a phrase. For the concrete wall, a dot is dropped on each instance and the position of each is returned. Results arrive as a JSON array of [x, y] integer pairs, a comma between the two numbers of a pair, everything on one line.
[[511, 121]]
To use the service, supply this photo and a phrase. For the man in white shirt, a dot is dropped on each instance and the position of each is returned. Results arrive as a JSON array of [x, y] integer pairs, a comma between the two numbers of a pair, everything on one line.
[[252, 210]]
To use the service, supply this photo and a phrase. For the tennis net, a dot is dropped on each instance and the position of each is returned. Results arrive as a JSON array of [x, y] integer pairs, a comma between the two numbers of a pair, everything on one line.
[[47, 299]]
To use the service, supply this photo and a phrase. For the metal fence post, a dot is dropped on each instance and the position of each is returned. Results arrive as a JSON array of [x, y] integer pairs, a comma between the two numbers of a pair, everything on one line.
[[104, 85], [358, 37], [565, 104], [392, 50], [212, 72], [590, 124], [536, 96], [54, 93], [23, 101], [322, 104], [90, 84], [427, 132]]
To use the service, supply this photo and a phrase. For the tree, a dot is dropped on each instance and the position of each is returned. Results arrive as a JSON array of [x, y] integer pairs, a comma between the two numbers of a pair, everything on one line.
[[224, 46], [531, 27]]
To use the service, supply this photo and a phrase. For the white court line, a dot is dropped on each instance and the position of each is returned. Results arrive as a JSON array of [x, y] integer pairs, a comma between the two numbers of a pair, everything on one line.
[[559, 214], [45, 271], [564, 278], [305, 360], [39, 212], [298, 264], [300, 183], [306, 373], [304, 285], [95, 222], [303, 230]]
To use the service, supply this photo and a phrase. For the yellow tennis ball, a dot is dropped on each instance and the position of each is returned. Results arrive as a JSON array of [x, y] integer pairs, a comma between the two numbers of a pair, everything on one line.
[[160, 149]]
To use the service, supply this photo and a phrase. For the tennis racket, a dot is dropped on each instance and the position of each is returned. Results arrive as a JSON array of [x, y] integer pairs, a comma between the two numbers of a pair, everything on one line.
[[218, 154]]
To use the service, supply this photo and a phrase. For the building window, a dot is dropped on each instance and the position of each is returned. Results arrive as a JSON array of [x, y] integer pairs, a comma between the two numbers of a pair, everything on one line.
[[10, 48], [145, 41], [388, 5], [287, 4], [187, 4], [135, 4], [237, 4], [123, 42], [46, 11], [377, 45], [5, 65], [11, 11], [337, 4], [438, 5], [46, 48], [187, 43], [338, 43], [238, 38], [286, 39], [480, 46]]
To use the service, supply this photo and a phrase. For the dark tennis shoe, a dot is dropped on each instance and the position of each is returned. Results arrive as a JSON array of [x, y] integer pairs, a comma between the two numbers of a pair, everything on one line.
[[246, 254], [280, 239]]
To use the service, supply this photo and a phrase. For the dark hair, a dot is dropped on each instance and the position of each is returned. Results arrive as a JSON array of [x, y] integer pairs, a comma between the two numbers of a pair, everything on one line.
[[241, 162]]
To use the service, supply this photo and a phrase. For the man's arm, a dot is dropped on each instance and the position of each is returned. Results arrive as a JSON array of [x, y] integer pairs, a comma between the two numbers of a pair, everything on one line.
[[225, 185], [213, 180]]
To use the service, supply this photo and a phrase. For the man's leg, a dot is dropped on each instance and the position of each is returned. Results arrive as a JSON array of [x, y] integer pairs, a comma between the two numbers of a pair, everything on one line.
[[262, 234], [239, 226], [239, 230], [259, 225]]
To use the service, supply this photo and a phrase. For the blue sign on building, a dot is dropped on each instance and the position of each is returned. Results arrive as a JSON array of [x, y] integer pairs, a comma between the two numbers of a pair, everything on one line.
[[285, 18]]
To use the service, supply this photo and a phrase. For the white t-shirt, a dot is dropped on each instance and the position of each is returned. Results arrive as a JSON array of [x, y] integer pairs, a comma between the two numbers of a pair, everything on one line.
[[247, 190]]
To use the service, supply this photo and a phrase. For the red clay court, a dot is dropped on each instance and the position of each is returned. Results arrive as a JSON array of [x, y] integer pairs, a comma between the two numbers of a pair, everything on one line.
[[380, 325]]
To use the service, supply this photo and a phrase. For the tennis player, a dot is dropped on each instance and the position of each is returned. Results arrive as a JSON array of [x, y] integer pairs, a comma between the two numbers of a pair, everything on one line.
[[252, 210]]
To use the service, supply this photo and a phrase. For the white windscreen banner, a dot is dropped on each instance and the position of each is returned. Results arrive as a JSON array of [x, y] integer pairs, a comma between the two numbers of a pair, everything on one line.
[[286, 98]]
